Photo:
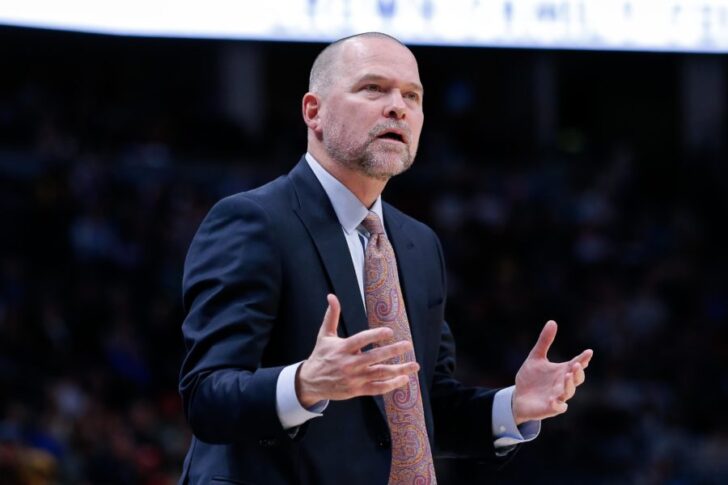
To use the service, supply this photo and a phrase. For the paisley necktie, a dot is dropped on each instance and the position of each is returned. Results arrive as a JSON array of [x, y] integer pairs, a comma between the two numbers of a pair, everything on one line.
[[411, 454]]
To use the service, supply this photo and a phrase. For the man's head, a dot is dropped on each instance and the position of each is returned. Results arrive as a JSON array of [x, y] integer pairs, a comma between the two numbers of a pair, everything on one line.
[[364, 105]]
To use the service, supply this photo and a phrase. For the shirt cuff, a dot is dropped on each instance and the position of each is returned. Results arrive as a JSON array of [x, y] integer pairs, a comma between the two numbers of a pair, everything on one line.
[[506, 434], [290, 412]]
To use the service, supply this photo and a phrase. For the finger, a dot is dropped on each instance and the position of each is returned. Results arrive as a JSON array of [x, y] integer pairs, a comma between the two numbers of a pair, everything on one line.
[[359, 340], [585, 357], [569, 387], [558, 406], [377, 388], [559, 388], [385, 352], [548, 334], [330, 324], [579, 375], [383, 372]]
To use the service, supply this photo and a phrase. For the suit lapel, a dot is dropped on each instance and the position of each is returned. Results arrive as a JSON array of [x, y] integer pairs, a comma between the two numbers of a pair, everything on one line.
[[314, 209], [408, 267], [409, 264], [317, 214]]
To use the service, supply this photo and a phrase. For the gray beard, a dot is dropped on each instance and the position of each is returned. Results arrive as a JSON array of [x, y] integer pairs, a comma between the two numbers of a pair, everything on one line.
[[365, 160]]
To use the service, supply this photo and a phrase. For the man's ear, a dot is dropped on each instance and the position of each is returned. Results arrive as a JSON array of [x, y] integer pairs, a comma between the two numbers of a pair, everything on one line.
[[310, 107]]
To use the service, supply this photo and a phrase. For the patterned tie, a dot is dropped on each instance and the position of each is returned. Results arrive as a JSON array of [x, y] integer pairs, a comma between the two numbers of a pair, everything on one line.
[[411, 455]]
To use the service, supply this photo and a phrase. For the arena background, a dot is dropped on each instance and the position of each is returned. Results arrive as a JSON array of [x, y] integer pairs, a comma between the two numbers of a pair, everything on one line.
[[586, 187]]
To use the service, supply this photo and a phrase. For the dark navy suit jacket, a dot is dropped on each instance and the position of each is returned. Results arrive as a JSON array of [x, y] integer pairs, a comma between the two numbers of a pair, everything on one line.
[[255, 284]]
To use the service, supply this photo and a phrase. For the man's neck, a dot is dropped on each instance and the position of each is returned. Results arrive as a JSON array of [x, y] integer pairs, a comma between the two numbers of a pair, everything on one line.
[[364, 187]]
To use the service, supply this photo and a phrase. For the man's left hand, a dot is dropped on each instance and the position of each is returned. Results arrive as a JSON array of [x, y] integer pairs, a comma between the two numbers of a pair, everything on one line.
[[543, 387]]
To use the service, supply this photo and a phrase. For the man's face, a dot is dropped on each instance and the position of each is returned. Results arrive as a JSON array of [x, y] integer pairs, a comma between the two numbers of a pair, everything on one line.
[[371, 114]]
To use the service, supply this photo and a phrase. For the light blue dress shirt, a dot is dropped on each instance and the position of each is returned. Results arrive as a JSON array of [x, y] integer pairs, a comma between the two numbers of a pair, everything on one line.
[[351, 212]]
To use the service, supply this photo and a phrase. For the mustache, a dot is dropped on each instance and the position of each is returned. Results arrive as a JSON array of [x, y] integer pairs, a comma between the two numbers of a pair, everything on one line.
[[386, 126]]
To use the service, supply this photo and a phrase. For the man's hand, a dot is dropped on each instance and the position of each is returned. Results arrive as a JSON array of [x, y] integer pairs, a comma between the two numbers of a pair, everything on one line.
[[543, 387], [337, 368]]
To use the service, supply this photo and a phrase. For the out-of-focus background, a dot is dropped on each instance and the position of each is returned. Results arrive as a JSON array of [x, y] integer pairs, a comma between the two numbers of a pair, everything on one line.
[[570, 176]]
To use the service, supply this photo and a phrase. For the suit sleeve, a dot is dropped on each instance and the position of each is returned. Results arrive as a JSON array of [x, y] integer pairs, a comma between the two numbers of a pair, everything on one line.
[[463, 414], [231, 289]]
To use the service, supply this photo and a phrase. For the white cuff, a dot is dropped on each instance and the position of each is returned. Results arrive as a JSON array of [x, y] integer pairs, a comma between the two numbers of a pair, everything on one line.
[[505, 432], [290, 412]]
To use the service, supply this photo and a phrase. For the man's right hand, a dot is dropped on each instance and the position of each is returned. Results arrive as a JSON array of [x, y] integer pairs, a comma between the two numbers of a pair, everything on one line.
[[338, 369]]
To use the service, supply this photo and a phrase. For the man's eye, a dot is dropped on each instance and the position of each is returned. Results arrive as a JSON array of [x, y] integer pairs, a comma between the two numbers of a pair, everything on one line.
[[412, 96], [373, 88]]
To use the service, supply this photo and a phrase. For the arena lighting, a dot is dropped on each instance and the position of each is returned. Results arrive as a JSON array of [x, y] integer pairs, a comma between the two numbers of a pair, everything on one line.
[[655, 25]]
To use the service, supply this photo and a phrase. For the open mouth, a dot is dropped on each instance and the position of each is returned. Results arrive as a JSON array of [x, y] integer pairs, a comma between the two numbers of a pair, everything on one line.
[[390, 135]]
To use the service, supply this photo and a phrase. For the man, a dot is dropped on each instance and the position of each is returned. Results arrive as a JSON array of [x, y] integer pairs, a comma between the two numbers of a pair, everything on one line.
[[317, 351]]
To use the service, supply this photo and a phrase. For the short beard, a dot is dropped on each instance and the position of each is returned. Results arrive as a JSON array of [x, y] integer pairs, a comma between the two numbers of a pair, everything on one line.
[[365, 160]]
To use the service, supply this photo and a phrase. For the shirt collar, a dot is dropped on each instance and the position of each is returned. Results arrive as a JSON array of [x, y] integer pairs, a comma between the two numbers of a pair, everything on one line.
[[349, 210]]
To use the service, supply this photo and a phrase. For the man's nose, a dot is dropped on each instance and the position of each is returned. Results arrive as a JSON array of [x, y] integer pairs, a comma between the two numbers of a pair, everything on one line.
[[396, 107]]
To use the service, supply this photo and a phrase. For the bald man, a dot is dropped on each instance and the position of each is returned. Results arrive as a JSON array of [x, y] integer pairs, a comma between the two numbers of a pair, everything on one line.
[[317, 350]]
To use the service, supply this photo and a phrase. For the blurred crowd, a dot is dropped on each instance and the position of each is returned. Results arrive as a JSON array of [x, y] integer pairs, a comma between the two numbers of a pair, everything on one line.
[[625, 251]]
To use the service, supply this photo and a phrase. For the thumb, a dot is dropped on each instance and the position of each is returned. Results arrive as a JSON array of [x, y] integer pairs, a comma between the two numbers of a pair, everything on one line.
[[548, 334], [331, 317]]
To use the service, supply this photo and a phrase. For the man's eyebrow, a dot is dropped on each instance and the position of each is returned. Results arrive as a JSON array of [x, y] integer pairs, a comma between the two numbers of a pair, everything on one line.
[[378, 78]]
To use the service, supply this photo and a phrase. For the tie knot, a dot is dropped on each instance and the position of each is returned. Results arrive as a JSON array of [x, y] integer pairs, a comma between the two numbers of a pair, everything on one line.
[[372, 224]]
